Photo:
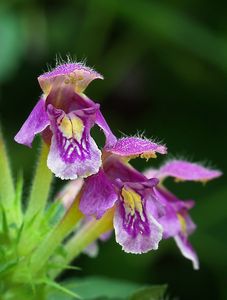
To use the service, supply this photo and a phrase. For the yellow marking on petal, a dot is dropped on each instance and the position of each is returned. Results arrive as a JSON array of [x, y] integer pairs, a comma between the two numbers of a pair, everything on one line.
[[204, 181], [182, 223], [177, 180], [148, 155], [46, 87], [66, 127], [72, 127], [78, 79], [132, 201], [73, 78], [128, 158], [77, 128]]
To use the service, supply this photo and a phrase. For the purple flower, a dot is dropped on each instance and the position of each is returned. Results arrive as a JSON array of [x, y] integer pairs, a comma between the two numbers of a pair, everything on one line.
[[136, 146], [65, 116], [119, 185], [176, 221]]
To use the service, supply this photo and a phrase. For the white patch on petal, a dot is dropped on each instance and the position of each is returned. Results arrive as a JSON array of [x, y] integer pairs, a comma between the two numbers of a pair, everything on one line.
[[141, 243], [79, 168]]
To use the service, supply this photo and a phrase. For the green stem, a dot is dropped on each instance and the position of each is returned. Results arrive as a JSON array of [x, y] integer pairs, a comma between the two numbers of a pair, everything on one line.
[[7, 191], [36, 203], [56, 236], [40, 186], [17, 208], [90, 232]]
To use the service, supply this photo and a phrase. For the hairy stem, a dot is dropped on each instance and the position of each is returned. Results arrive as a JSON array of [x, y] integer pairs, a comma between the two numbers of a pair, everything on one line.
[[55, 237], [90, 232], [7, 191], [40, 186]]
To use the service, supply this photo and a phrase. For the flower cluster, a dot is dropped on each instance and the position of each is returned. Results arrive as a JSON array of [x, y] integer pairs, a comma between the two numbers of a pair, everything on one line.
[[143, 211]]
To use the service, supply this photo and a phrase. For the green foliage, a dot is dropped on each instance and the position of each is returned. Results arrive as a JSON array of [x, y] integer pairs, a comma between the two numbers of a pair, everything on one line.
[[20, 236], [99, 288], [149, 293], [61, 288]]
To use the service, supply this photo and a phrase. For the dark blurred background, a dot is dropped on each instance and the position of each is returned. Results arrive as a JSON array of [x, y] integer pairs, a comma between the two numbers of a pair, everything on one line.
[[165, 68]]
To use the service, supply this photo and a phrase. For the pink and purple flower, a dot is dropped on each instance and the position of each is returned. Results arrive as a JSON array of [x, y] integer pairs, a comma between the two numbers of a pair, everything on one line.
[[121, 187], [144, 211], [65, 116], [176, 221]]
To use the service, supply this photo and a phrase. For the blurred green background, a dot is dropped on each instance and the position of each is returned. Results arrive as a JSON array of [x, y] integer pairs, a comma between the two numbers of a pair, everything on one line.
[[165, 68]]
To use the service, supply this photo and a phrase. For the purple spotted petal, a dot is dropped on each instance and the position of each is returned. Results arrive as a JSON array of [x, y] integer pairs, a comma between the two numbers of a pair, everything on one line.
[[187, 250], [79, 167], [136, 228], [36, 122], [98, 195], [73, 153], [184, 170], [72, 74], [135, 146], [135, 234]]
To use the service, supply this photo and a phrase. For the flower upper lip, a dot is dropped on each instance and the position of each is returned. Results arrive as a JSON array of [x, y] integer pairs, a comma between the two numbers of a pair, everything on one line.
[[75, 74]]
